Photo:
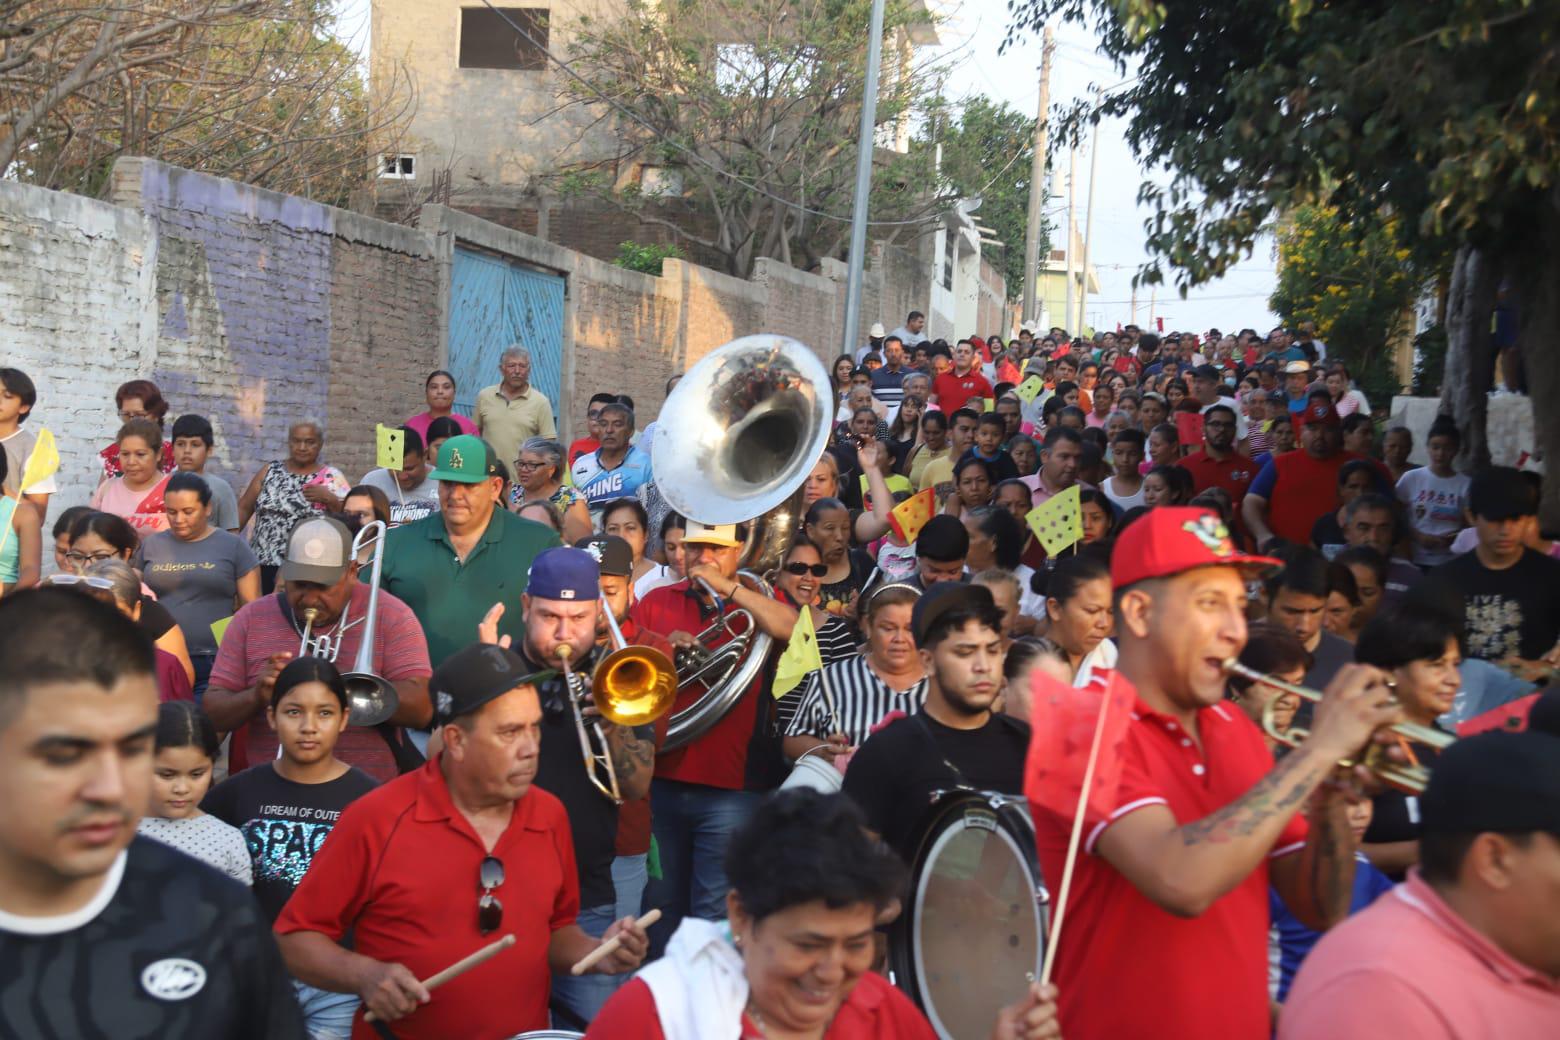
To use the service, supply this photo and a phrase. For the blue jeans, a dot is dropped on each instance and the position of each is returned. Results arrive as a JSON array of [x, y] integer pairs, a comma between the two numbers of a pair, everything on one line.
[[585, 994], [202, 663], [629, 874], [326, 1015], [692, 824]]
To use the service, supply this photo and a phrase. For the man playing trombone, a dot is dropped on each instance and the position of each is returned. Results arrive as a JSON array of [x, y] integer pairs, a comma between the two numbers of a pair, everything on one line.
[[320, 574], [561, 608], [1171, 886]]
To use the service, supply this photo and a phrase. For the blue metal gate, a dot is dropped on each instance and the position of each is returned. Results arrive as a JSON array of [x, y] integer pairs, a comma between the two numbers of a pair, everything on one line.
[[495, 302]]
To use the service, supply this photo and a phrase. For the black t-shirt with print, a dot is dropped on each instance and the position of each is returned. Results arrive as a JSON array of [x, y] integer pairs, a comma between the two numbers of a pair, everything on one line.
[[284, 823], [177, 950], [896, 771], [1513, 611]]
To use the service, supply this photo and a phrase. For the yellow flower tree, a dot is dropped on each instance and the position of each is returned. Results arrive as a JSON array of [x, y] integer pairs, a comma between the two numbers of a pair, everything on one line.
[[1356, 281]]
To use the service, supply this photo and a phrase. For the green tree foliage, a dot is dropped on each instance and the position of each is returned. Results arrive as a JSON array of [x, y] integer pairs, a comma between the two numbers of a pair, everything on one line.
[[647, 259], [763, 131], [987, 151], [1353, 279]]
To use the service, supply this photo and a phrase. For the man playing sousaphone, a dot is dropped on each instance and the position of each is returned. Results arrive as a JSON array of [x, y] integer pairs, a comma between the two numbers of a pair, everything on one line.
[[702, 791], [1170, 893], [320, 574]]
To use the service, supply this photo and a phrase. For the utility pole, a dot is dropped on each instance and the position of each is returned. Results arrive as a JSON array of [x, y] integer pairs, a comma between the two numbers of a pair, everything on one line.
[[1037, 183], [1133, 319], [1072, 177], [1153, 296], [858, 221], [1088, 216]]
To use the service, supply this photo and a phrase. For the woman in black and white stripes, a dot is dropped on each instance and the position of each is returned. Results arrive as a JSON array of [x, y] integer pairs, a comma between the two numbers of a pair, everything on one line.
[[887, 677]]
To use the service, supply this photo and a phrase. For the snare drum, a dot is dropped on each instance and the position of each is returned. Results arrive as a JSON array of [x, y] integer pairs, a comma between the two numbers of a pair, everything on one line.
[[816, 772], [549, 1034], [972, 933]]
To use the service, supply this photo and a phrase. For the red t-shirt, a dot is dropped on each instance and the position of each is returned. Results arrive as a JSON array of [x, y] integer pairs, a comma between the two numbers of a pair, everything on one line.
[[583, 446], [875, 1010], [719, 758], [260, 629], [1234, 474], [1304, 489], [400, 871], [633, 832], [952, 390], [1130, 969]]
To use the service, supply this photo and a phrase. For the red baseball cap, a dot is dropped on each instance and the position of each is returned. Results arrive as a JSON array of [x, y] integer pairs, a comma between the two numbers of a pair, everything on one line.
[[1318, 412], [1172, 539]]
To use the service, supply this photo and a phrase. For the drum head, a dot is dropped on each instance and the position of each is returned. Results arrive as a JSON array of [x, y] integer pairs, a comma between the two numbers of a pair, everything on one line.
[[972, 933], [549, 1034]]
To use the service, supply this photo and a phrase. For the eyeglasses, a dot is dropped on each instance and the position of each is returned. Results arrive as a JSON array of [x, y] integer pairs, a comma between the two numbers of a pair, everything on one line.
[[127, 416], [93, 581], [797, 568], [522, 464], [85, 558], [490, 912]]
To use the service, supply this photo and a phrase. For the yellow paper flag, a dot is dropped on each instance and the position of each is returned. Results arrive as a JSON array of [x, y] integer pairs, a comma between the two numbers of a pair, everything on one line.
[[1058, 522], [42, 463], [988, 404], [219, 628], [1030, 389], [801, 656], [909, 516], [390, 442]]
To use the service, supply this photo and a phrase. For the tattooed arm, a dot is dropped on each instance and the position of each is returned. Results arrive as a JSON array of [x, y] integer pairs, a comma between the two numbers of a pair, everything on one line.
[[1184, 868], [633, 758]]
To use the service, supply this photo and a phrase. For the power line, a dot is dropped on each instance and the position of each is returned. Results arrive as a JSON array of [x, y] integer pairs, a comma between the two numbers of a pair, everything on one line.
[[679, 146]]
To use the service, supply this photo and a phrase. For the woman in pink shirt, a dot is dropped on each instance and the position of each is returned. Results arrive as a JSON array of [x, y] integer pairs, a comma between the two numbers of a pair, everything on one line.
[[137, 493], [439, 391]]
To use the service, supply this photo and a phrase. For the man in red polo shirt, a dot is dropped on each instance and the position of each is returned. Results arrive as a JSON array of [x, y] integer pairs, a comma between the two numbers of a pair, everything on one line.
[[705, 789], [439, 863], [952, 389], [1167, 923], [1218, 464], [1293, 490]]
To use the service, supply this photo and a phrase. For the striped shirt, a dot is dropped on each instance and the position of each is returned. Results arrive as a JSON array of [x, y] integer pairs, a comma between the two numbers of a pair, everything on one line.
[[836, 642], [861, 697]]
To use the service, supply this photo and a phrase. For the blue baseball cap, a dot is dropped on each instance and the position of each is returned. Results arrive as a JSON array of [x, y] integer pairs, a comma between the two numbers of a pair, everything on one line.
[[564, 573]]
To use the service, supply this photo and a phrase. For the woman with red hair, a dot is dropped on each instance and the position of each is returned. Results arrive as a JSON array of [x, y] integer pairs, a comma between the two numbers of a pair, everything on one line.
[[138, 399]]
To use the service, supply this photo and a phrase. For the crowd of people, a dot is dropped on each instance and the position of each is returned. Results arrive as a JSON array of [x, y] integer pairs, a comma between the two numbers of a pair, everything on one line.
[[178, 692]]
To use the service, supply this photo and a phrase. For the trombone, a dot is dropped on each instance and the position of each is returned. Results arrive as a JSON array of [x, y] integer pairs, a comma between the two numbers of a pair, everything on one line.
[[1411, 776], [631, 686], [371, 698]]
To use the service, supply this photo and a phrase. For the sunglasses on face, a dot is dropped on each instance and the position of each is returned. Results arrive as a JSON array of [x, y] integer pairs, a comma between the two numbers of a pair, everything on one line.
[[490, 912], [818, 570]]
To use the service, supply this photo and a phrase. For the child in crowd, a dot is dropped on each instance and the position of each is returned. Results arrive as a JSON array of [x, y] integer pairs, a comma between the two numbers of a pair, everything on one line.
[[193, 440], [286, 808], [186, 754]]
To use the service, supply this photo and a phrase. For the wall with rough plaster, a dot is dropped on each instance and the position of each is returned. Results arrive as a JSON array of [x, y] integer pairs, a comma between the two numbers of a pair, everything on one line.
[[76, 314]]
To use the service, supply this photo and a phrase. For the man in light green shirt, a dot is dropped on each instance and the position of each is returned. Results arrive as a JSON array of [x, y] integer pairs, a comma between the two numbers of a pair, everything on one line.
[[513, 410]]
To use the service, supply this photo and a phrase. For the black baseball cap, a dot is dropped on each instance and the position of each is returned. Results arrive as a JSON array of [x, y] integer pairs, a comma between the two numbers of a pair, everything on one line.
[[943, 539], [471, 677], [1495, 781], [612, 554], [1207, 372], [940, 599]]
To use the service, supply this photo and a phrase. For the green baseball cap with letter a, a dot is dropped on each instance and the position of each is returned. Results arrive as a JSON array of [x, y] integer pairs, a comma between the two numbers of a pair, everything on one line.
[[467, 459]]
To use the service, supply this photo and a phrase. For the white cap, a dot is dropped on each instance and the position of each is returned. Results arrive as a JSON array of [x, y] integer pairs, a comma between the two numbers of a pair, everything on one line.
[[877, 331], [1297, 368]]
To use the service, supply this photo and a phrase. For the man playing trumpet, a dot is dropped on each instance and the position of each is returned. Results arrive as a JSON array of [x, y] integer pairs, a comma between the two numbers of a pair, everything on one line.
[[1171, 886]]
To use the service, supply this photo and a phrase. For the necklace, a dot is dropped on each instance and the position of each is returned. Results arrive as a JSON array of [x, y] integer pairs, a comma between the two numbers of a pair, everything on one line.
[[763, 1029]]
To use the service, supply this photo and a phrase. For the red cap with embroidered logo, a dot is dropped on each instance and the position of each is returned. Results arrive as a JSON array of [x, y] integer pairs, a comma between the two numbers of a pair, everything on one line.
[[1172, 539]]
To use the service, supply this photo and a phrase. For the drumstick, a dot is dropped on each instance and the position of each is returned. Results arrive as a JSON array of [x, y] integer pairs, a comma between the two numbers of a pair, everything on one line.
[[461, 966], [1053, 940], [608, 948]]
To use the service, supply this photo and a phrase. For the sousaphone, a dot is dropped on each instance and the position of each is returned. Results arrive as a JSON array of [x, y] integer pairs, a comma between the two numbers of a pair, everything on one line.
[[734, 444]]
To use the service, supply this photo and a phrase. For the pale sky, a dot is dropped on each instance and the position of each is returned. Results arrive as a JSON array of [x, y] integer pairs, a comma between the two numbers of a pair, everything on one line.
[[972, 32]]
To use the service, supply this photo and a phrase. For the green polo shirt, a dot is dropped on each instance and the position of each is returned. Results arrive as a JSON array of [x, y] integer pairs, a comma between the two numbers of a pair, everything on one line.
[[449, 596]]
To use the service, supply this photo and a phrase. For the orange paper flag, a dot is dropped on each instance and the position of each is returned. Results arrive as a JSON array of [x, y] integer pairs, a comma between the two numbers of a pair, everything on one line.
[[911, 515]]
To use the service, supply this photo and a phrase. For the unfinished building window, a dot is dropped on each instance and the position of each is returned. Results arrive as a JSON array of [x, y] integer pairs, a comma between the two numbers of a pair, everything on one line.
[[398, 167], [488, 41]]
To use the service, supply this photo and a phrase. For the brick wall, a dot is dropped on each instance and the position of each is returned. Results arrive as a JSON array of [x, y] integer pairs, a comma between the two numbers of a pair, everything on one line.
[[257, 309], [76, 316]]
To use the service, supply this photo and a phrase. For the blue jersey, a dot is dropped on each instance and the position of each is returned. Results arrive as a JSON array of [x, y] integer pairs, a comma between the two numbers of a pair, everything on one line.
[[600, 486], [1291, 940]]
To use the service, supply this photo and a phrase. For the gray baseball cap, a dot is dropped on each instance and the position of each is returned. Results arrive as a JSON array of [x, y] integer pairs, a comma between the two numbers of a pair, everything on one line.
[[319, 550]]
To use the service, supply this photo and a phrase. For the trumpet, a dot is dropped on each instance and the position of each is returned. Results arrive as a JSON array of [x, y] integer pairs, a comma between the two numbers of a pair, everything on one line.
[[631, 686], [1409, 776], [370, 696]]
